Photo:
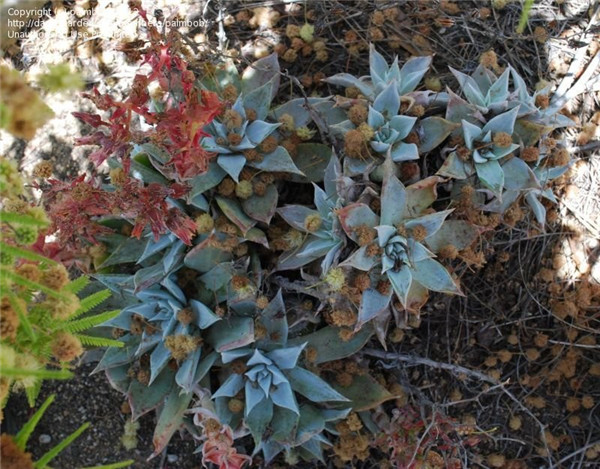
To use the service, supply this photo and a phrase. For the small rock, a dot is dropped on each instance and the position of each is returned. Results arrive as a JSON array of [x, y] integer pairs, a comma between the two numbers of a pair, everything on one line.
[[45, 439], [172, 458]]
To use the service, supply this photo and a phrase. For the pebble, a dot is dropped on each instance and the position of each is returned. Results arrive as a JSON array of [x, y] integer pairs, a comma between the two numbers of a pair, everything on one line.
[[172, 458], [45, 439]]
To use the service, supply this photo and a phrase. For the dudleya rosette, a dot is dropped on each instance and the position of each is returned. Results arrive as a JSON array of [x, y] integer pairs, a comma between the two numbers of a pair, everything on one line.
[[406, 79], [484, 152], [396, 247]]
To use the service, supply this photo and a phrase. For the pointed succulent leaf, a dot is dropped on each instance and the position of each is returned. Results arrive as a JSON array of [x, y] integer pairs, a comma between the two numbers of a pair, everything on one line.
[[234, 333], [504, 122], [434, 276], [227, 356], [431, 222], [355, 215], [260, 72], [404, 152], [518, 175], [375, 118], [412, 72], [258, 130], [259, 100], [372, 304], [538, 208], [471, 133], [469, 87], [388, 102], [311, 424], [403, 125], [312, 387], [384, 233], [432, 131], [186, 373], [393, 200], [312, 159], [378, 66], [401, 280], [142, 399], [204, 316], [277, 161], [332, 178], [204, 256], [159, 358], [262, 207], [327, 345], [233, 211], [498, 92], [455, 168], [170, 418], [346, 80], [420, 196], [259, 419], [254, 395], [232, 165], [295, 215], [365, 393], [203, 182], [286, 358], [361, 260], [283, 396], [491, 175], [458, 233]]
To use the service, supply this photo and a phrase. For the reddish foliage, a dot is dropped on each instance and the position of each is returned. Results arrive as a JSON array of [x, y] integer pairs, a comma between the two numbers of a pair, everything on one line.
[[176, 126]]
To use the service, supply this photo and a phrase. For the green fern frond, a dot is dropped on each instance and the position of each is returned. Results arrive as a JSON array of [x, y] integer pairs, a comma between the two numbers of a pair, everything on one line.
[[90, 341], [42, 374], [20, 219], [90, 302], [25, 254], [89, 322], [27, 430], [75, 286], [23, 319], [29, 284], [50, 455]]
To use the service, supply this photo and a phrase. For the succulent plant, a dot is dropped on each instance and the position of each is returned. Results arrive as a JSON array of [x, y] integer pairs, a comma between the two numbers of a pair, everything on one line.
[[484, 90], [406, 79], [269, 377], [395, 245], [324, 236], [483, 152]]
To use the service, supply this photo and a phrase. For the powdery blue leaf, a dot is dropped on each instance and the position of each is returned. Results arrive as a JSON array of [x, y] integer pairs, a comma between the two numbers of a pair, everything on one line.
[[384, 233], [393, 200], [316, 247], [518, 175], [170, 418], [210, 144], [346, 80], [204, 316], [431, 222], [259, 419], [234, 333], [379, 147], [254, 395], [360, 260], [232, 210], [258, 130], [374, 118], [420, 196], [471, 133], [458, 233], [412, 72], [159, 358], [504, 122], [455, 168], [433, 131], [405, 152], [203, 257], [434, 276], [310, 425], [261, 72], [283, 396], [355, 215], [259, 99], [388, 103], [286, 358], [277, 161], [295, 215], [371, 305], [378, 67], [298, 110], [187, 371], [498, 92], [206, 181], [232, 165], [538, 208], [312, 159], [401, 281], [491, 176], [312, 387], [142, 399], [403, 125], [262, 207], [469, 88]]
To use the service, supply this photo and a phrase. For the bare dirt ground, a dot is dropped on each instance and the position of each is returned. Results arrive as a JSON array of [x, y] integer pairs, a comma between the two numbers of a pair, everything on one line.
[[530, 318]]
